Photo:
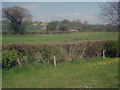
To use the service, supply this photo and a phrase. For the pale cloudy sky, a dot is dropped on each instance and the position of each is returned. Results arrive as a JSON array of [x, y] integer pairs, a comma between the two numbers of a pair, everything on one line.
[[59, 0], [48, 11]]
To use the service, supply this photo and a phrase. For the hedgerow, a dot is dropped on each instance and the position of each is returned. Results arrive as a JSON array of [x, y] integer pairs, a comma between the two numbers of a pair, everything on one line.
[[63, 52]]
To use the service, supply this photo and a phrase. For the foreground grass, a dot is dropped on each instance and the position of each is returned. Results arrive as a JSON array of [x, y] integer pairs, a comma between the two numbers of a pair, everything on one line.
[[91, 73], [59, 38]]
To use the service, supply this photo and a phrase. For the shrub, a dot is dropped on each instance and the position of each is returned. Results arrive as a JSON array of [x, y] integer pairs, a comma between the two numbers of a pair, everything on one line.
[[46, 54], [94, 50], [9, 58], [64, 27], [52, 26], [111, 48]]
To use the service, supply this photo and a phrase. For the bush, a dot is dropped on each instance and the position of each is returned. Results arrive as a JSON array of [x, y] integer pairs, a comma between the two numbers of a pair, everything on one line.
[[94, 50], [41, 54], [46, 54], [111, 49], [9, 58], [64, 27], [52, 26]]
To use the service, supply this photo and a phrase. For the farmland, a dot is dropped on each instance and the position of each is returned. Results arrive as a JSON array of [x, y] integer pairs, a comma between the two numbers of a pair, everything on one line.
[[85, 73], [59, 38], [59, 45]]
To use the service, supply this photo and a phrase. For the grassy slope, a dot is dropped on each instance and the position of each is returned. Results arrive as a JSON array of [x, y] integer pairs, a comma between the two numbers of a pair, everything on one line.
[[59, 38], [85, 73]]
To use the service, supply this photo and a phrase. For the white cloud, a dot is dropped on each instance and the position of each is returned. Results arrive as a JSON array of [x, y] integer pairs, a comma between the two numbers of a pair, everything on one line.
[[86, 18], [68, 14], [62, 15], [77, 14], [91, 19], [31, 6], [34, 6]]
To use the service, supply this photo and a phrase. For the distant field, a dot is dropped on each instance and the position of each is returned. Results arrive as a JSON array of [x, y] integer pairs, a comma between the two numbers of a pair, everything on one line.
[[59, 38], [92, 73], [38, 28], [28, 28]]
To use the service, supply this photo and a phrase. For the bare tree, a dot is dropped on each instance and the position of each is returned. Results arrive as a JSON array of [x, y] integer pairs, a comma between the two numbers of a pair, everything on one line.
[[119, 14], [110, 12], [16, 16]]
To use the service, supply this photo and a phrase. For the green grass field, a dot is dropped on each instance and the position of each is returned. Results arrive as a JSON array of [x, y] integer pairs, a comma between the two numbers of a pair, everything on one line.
[[91, 73], [59, 38]]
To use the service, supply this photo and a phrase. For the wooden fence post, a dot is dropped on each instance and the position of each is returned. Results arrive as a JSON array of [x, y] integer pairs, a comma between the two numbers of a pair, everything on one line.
[[103, 54], [54, 61], [43, 61], [83, 53], [19, 62]]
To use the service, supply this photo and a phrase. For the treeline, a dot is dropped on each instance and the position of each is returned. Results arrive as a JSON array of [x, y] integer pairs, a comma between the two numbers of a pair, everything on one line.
[[66, 25], [63, 26]]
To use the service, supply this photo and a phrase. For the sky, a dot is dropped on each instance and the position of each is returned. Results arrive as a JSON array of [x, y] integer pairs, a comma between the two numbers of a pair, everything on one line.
[[59, 0], [48, 11]]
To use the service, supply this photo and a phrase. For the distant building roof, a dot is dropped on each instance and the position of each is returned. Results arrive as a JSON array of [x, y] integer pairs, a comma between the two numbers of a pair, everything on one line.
[[43, 24]]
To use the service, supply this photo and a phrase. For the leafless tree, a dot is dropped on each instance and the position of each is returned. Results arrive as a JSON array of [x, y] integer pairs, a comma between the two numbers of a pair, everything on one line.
[[16, 16], [110, 12]]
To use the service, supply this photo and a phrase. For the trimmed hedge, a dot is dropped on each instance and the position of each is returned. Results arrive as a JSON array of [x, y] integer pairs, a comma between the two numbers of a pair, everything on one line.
[[63, 52]]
